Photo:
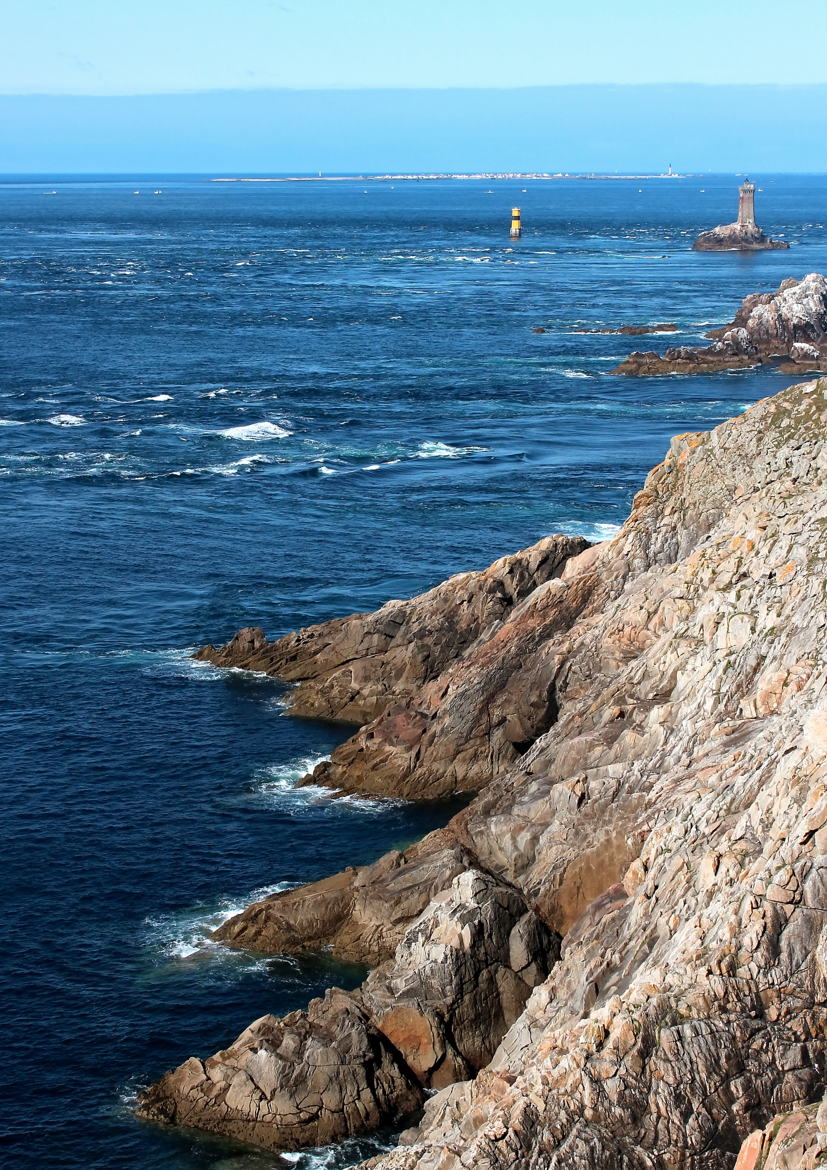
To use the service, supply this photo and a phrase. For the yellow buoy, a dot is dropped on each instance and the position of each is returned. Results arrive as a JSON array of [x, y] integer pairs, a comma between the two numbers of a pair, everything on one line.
[[516, 224]]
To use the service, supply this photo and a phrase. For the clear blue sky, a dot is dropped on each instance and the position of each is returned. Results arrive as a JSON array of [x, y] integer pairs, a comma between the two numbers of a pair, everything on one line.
[[170, 46]]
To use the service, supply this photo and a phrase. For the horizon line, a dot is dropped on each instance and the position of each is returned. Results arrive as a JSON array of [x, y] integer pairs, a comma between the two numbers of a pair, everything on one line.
[[217, 176], [339, 89]]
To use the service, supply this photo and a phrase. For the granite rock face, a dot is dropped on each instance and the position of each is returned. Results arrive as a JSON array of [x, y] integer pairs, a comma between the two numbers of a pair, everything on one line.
[[792, 1141], [736, 237], [790, 323], [617, 959], [312, 1077]]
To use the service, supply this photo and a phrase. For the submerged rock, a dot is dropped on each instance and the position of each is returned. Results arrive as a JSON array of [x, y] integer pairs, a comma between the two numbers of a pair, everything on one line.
[[615, 958], [791, 323], [640, 330]]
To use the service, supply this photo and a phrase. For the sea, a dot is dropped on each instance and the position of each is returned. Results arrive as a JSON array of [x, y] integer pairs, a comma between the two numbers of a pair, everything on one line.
[[230, 404]]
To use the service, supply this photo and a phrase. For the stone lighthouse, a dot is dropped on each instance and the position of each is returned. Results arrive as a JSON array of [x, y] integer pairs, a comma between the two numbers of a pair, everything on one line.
[[746, 204], [742, 236]]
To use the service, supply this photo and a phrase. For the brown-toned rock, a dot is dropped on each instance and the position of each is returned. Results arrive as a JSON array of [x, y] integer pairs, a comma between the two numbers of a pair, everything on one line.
[[792, 1141], [789, 323], [360, 914], [351, 668], [312, 1077]]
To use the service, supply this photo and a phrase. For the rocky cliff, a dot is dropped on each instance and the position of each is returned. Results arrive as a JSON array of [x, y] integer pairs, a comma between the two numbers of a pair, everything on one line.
[[789, 325], [615, 956]]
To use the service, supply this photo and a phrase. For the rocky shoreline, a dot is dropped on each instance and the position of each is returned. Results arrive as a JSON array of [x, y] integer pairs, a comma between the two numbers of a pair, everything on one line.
[[615, 956], [788, 327]]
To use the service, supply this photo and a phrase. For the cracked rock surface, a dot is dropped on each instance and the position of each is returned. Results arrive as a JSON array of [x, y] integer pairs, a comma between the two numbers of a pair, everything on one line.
[[615, 957]]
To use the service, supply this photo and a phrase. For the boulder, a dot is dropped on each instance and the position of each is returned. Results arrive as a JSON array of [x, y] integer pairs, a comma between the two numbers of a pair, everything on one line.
[[432, 1014]]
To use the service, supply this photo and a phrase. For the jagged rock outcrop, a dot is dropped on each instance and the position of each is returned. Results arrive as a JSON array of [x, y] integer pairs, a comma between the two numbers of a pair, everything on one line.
[[431, 1015], [790, 323], [736, 237], [662, 811], [312, 1077], [360, 914], [349, 669]]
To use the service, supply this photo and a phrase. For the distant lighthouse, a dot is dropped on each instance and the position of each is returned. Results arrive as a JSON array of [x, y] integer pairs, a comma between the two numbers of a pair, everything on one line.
[[516, 224], [746, 204]]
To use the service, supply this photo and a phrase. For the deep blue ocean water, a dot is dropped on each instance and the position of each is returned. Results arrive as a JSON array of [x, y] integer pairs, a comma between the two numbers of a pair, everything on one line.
[[228, 404]]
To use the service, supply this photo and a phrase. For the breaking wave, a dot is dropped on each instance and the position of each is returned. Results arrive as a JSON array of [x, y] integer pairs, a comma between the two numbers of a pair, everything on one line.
[[188, 933], [278, 785], [66, 420], [438, 450], [251, 432]]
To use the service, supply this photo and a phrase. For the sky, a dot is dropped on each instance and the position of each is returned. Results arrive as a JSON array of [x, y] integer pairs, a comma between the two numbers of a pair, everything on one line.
[[271, 86], [171, 46]]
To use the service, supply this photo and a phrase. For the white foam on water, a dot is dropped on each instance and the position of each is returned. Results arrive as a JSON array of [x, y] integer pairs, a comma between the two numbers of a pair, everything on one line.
[[438, 450], [350, 1152], [157, 398], [279, 781], [278, 785], [323, 470], [11, 422], [575, 374], [379, 466], [252, 432], [173, 663], [249, 461], [183, 935], [66, 420], [596, 532]]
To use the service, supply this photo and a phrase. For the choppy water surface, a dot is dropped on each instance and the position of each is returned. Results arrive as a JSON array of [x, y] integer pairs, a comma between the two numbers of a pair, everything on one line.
[[234, 404]]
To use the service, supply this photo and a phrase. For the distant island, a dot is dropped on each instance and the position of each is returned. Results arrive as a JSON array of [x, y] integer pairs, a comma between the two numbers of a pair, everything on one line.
[[488, 175]]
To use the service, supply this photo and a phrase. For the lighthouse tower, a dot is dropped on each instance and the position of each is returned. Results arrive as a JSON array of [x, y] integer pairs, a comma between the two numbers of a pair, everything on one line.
[[746, 204]]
